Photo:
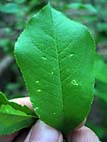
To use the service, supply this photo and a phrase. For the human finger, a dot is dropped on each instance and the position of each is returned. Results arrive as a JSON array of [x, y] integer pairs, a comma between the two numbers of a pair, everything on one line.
[[83, 134], [23, 101], [41, 132]]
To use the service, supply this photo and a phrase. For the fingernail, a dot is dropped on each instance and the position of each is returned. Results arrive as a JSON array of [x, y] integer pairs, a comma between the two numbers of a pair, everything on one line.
[[44, 133], [60, 139]]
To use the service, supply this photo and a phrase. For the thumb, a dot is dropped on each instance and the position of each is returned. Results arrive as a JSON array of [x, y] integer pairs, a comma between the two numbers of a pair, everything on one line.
[[41, 132]]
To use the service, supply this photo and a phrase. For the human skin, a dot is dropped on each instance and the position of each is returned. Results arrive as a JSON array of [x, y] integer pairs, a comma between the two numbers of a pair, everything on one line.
[[41, 132]]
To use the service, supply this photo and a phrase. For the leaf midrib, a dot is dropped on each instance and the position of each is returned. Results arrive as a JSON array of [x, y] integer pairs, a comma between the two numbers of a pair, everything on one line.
[[56, 46]]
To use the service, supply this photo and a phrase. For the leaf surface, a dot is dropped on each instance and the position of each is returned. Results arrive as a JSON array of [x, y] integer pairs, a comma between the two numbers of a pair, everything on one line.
[[4, 100], [13, 117], [56, 57]]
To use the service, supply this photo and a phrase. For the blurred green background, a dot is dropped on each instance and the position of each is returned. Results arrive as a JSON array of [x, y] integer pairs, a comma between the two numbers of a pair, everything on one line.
[[14, 15]]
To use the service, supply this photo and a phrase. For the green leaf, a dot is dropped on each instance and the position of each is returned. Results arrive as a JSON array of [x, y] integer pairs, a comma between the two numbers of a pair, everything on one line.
[[101, 90], [10, 110], [98, 130], [9, 8], [4, 100], [56, 57], [12, 8], [13, 117], [12, 122], [20, 2], [100, 69], [81, 6]]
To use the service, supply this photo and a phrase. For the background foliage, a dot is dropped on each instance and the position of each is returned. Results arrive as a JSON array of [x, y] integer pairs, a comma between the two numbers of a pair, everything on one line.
[[13, 17]]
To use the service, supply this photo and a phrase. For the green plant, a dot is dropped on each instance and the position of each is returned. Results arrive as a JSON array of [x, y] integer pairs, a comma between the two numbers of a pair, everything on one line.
[[100, 92], [56, 56], [13, 117]]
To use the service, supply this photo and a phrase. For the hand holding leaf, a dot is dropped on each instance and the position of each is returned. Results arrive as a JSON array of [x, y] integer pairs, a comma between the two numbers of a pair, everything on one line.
[[56, 57]]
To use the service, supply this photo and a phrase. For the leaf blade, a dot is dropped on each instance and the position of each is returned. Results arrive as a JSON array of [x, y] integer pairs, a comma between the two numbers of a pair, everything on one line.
[[52, 67], [13, 117], [4, 100], [12, 120]]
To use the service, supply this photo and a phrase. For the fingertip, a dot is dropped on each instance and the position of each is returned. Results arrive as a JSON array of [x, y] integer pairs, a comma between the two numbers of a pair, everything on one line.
[[23, 101], [83, 134], [82, 124], [43, 133]]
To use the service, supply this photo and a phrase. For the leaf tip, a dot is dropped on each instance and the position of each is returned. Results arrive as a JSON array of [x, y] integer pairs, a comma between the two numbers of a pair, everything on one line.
[[48, 5]]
